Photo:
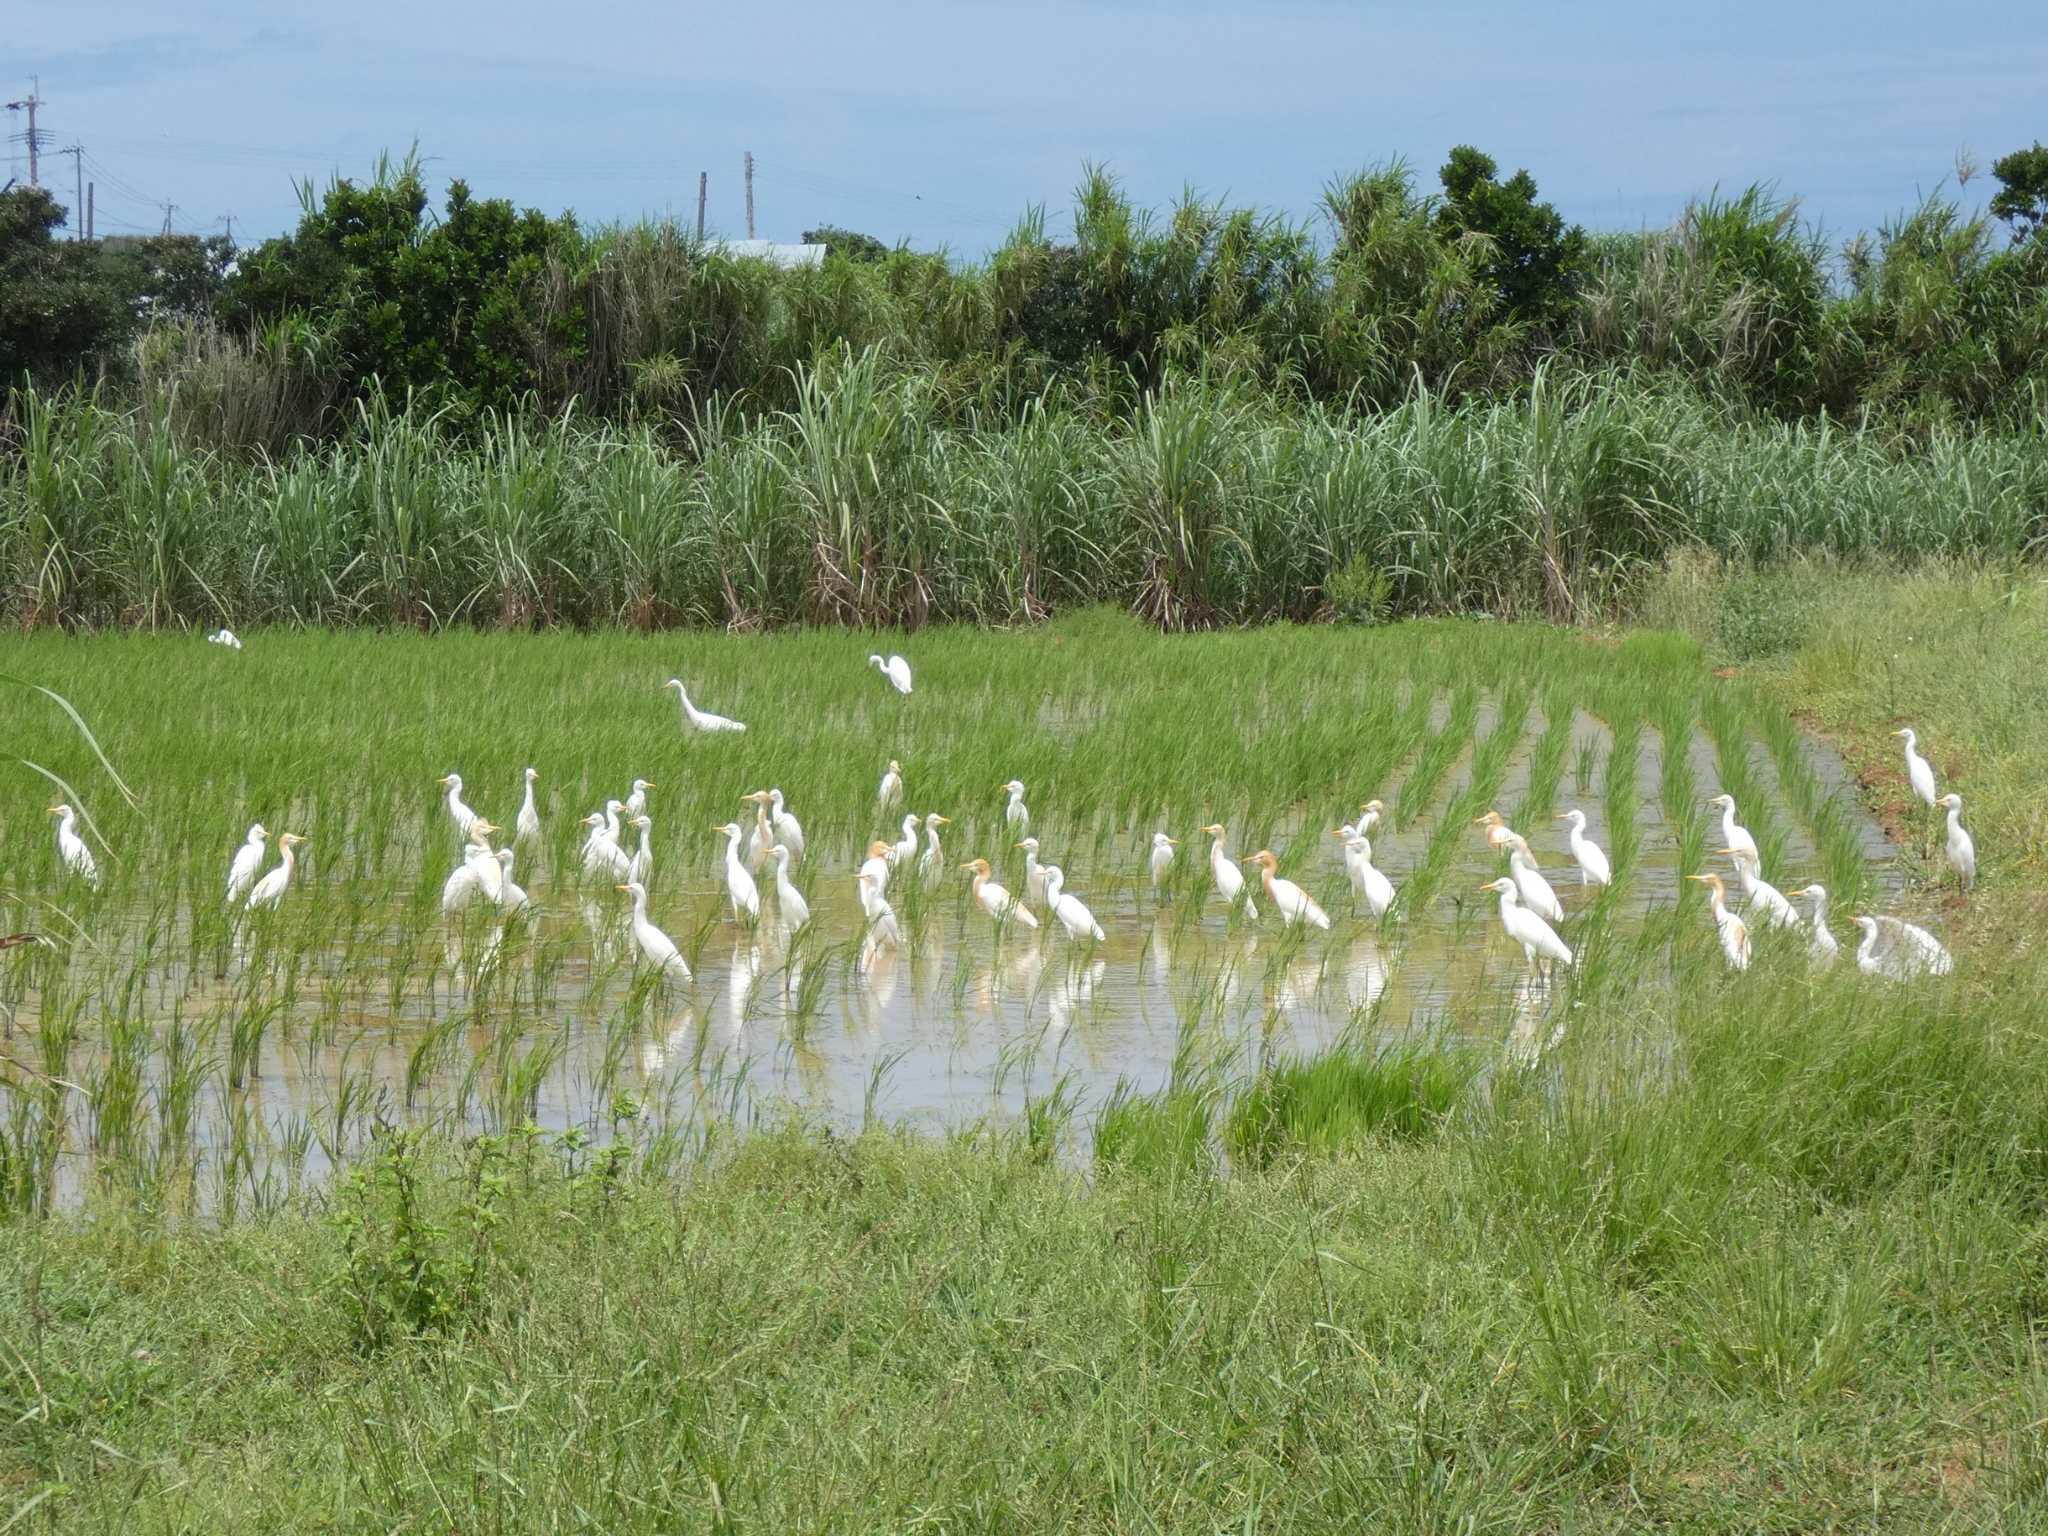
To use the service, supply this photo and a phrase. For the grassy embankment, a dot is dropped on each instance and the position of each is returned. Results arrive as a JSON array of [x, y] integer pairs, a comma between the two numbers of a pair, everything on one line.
[[1766, 1251]]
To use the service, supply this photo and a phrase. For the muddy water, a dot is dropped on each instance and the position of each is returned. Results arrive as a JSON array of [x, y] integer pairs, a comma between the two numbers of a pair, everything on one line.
[[488, 1025]]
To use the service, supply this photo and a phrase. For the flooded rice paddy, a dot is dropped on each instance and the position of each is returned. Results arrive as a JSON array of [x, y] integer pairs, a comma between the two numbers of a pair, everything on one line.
[[256, 1053]]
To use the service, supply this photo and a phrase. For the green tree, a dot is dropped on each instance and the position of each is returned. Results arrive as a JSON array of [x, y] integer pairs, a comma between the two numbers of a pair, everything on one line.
[[438, 306], [1532, 258], [166, 277], [2022, 196], [57, 310], [850, 243]]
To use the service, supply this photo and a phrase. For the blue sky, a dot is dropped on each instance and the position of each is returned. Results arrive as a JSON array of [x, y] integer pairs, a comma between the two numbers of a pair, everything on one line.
[[940, 122]]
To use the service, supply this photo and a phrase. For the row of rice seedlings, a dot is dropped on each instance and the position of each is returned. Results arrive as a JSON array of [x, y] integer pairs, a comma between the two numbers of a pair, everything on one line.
[[1455, 834], [1830, 818], [1727, 716], [1547, 759]]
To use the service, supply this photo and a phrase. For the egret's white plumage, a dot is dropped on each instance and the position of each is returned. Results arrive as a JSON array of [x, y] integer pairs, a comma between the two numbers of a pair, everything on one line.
[[1223, 871], [602, 855], [1034, 872], [526, 826], [641, 864], [636, 800], [270, 889], [1539, 941], [762, 837], [789, 901], [458, 812], [1962, 848], [1016, 815], [1592, 859], [1733, 836], [1369, 815], [248, 859], [876, 866], [71, 849], [789, 832], [1731, 930], [1900, 951], [1919, 772], [511, 897], [655, 947], [1759, 895], [883, 930], [890, 793], [895, 669], [903, 851], [739, 885], [701, 721], [224, 636], [1821, 947], [1161, 861], [1294, 904], [997, 902], [931, 867], [1535, 891], [1072, 913], [1368, 884]]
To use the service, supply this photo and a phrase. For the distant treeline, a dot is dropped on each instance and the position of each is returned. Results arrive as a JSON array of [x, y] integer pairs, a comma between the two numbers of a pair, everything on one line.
[[1938, 321]]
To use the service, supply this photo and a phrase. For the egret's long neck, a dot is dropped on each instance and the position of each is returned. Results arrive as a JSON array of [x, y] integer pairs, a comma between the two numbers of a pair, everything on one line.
[[290, 856], [732, 846], [527, 804], [1266, 879], [931, 840]]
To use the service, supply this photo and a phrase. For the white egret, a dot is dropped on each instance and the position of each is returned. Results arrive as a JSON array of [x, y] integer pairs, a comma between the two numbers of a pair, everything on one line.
[[882, 927], [788, 830], [904, 850], [636, 801], [896, 669], [641, 864], [462, 815], [656, 947], [224, 636], [931, 865], [1536, 891], [1759, 895], [1034, 872], [1919, 772], [1821, 948], [739, 885], [511, 897], [997, 902], [248, 859], [1162, 857], [1498, 833], [1593, 866], [1732, 835], [762, 838], [789, 901], [602, 854], [1073, 914], [1368, 884], [526, 826], [1539, 941], [891, 792], [71, 849], [1295, 904], [876, 866], [1732, 931], [1223, 871], [1016, 814], [1962, 848], [1900, 951], [490, 874], [695, 719], [269, 890], [1369, 815]]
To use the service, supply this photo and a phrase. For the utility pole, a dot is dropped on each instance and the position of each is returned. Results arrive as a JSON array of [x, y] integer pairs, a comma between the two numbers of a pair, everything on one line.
[[88, 211], [77, 154], [29, 103], [703, 187], [750, 188], [169, 209]]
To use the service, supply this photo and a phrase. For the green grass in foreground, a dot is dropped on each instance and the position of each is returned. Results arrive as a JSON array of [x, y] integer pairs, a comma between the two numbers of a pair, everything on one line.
[[1760, 1253]]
